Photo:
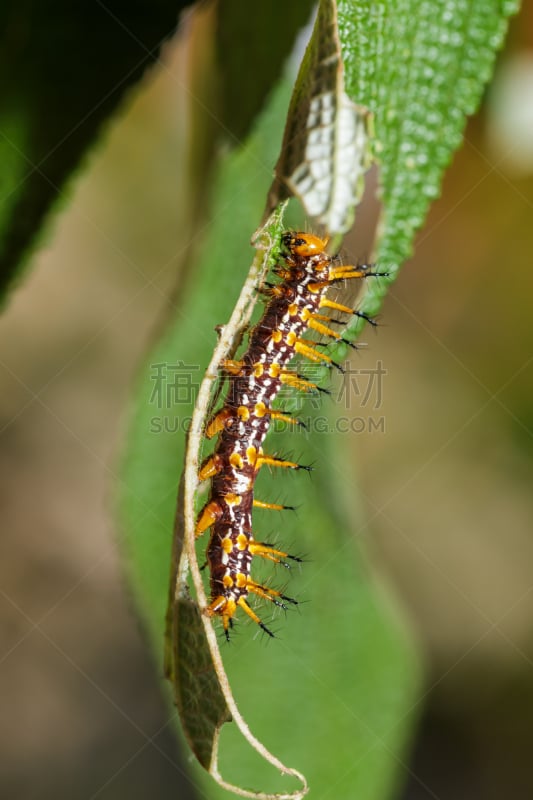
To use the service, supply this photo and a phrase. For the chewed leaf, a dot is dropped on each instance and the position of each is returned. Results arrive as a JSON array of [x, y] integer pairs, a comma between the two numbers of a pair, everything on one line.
[[325, 150], [188, 664], [197, 692], [193, 661]]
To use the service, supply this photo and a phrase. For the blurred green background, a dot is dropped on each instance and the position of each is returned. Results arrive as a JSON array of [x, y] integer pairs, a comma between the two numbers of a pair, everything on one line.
[[447, 486]]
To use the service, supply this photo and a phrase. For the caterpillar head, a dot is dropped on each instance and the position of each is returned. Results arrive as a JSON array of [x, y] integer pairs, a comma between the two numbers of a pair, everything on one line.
[[304, 244]]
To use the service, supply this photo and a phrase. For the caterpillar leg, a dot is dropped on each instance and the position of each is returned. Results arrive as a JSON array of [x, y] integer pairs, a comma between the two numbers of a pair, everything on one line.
[[271, 553], [325, 318], [210, 513], [326, 303], [213, 511], [315, 322], [349, 271], [306, 349], [281, 417], [231, 366], [251, 613], [299, 382], [210, 467], [337, 274], [218, 422], [272, 461], [224, 607], [272, 506], [270, 594]]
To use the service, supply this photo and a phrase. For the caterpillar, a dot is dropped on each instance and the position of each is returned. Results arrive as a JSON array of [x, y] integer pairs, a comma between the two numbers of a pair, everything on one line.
[[296, 303]]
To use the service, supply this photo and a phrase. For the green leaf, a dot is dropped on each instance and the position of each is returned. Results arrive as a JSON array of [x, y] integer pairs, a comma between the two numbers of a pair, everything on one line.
[[421, 67], [65, 68], [332, 694], [346, 665], [187, 661]]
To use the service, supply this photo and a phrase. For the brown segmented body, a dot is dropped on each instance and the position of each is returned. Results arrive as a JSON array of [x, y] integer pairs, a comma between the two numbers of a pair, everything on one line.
[[306, 274]]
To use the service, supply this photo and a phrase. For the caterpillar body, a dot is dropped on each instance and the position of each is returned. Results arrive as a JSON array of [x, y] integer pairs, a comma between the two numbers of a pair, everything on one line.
[[295, 304]]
